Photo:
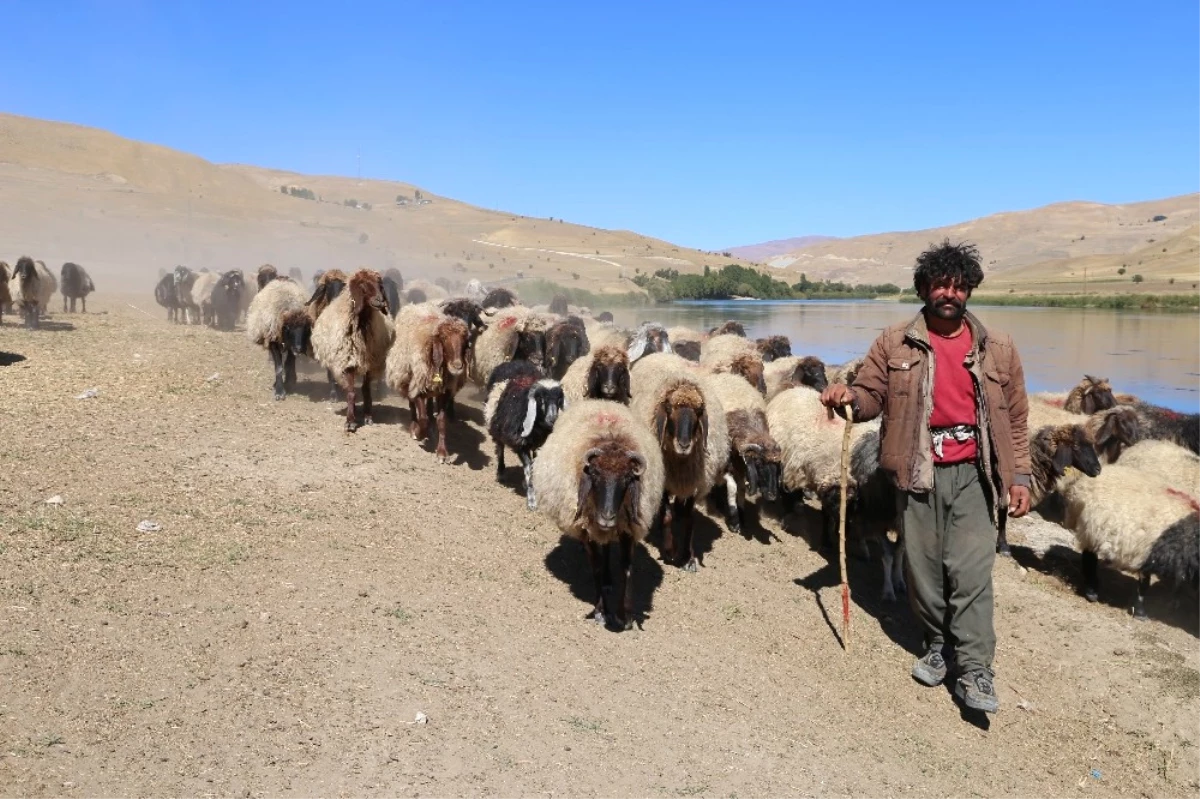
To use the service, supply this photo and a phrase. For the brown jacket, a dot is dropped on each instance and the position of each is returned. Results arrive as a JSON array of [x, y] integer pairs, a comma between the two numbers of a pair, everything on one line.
[[896, 380]]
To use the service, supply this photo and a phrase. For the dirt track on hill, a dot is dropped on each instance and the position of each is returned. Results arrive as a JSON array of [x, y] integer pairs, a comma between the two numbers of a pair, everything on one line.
[[311, 592]]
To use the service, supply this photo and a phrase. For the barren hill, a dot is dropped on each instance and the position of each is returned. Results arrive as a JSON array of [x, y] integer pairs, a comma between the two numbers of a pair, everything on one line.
[[125, 209], [1007, 241], [770, 249]]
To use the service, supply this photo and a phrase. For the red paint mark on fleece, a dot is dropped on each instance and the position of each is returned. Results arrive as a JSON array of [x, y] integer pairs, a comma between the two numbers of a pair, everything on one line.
[[606, 419], [1056, 401], [1186, 498], [507, 322]]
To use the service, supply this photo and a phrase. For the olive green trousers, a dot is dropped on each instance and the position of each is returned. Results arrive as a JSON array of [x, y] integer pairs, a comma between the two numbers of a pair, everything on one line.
[[949, 550]]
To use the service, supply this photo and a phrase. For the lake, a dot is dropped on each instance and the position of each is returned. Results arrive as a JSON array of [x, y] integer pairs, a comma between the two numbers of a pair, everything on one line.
[[1155, 356]]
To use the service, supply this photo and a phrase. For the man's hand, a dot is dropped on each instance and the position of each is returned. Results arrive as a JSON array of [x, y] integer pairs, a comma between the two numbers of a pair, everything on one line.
[[836, 395], [1018, 501]]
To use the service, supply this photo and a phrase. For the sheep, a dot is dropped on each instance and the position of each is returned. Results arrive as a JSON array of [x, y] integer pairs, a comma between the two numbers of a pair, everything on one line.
[[731, 327], [392, 286], [650, 337], [76, 285], [278, 321], [164, 295], [1137, 523], [475, 291], [559, 304], [5, 296], [31, 287], [772, 348], [845, 373], [604, 316], [730, 353], [416, 297], [520, 413], [351, 338], [677, 403], [810, 439], [1052, 450], [1170, 463], [500, 298], [48, 284], [434, 292], [599, 477], [688, 350], [601, 374], [754, 455], [185, 284], [468, 310], [511, 334], [1110, 430], [327, 286], [224, 302], [566, 343], [784, 373], [295, 274], [427, 365], [1090, 395], [265, 274], [1165, 424]]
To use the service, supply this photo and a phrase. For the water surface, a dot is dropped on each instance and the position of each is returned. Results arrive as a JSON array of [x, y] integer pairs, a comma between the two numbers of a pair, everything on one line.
[[1156, 356]]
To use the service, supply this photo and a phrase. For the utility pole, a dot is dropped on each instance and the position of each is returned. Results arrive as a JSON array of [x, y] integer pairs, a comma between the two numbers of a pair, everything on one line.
[[1085, 281], [358, 157]]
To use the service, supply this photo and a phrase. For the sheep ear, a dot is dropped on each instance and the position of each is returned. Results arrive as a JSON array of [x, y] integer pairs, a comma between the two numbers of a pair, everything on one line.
[[623, 386], [633, 498], [660, 424], [762, 383], [585, 489], [530, 416], [704, 426], [435, 354], [317, 293], [667, 344], [593, 382]]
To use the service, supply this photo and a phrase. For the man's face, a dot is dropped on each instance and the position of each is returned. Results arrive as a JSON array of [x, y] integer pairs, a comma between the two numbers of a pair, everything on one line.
[[946, 300]]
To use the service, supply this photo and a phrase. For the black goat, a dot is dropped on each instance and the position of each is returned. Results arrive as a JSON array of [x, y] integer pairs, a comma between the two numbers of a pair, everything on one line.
[[165, 295], [226, 299], [499, 298], [566, 342], [296, 340]]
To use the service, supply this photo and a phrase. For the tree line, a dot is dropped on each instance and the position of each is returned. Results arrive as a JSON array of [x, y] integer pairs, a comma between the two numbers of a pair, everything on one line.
[[733, 280]]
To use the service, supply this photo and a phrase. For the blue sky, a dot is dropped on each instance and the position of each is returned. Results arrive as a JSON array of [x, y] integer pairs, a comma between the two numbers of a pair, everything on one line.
[[709, 126]]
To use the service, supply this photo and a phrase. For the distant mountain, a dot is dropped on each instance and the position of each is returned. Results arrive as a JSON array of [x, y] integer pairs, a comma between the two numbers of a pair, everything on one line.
[[769, 249]]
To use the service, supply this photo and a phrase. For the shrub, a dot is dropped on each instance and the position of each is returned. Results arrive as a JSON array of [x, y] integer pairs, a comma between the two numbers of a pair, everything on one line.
[[1138, 278]]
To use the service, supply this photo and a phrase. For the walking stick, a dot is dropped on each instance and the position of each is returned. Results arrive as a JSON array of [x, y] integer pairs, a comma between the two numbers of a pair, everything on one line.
[[842, 528]]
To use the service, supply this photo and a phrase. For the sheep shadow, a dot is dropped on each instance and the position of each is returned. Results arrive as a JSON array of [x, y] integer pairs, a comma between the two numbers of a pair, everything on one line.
[[705, 532], [1175, 606], [9, 358], [568, 562], [751, 516], [48, 326], [464, 442], [865, 578]]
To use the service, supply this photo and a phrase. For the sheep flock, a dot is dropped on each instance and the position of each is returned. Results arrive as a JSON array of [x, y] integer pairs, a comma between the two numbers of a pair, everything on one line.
[[621, 432]]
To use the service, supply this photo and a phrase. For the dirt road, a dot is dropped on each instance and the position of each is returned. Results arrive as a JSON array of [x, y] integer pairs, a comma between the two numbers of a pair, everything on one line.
[[311, 592]]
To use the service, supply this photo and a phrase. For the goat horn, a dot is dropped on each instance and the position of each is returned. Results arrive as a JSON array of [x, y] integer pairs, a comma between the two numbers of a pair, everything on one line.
[[639, 463], [591, 453]]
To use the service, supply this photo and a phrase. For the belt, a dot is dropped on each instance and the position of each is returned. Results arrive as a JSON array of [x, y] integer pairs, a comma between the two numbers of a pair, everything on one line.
[[959, 432]]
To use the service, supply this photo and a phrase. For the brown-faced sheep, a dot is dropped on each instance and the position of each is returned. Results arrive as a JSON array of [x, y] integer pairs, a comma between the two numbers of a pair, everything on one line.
[[844, 373], [265, 274], [76, 285], [1090, 395], [278, 321], [1135, 522], [599, 477], [772, 348], [727, 353], [754, 455], [519, 414], [730, 327], [688, 350], [784, 373], [427, 365], [31, 287], [601, 374], [351, 338], [327, 286], [674, 399]]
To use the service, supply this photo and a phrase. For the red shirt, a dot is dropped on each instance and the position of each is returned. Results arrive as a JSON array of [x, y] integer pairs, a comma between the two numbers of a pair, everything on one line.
[[953, 393]]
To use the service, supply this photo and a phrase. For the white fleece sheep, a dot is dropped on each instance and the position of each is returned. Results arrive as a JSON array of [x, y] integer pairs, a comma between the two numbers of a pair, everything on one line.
[[679, 334], [1179, 468], [498, 343], [810, 440], [36, 296], [264, 318], [409, 370], [1120, 515]]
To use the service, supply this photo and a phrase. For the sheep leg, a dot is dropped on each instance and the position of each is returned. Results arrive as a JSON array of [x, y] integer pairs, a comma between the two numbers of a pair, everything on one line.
[[1139, 604], [276, 351], [65, 304], [830, 500], [687, 508], [83, 302], [596, 559], [289, 370], [443, 456], [448, 404], [893, 569], [1091, 576], [416, 413], [667, 526], [351, 421], [627, 544], [527, 463], [1002, 534], [499, 461], [333, 387], [366, 398], [732, 515]]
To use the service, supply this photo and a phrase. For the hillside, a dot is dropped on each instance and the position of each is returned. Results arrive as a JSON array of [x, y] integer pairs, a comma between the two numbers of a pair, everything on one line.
[[125, 209], [1052, 235], [769, 249]]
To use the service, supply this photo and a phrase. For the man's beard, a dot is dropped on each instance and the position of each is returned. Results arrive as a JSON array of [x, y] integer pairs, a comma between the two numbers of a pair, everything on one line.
[[946, 308]]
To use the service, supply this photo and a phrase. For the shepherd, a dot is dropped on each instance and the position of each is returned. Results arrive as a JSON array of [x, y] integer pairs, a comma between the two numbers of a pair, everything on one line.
[[955, 442]]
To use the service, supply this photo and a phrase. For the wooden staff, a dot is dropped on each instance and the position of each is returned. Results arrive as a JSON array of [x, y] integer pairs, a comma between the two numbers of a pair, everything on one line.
[[842, 528]]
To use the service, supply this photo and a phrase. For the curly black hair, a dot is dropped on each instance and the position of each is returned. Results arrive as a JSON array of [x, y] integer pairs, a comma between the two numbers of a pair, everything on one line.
[[956, 262]]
